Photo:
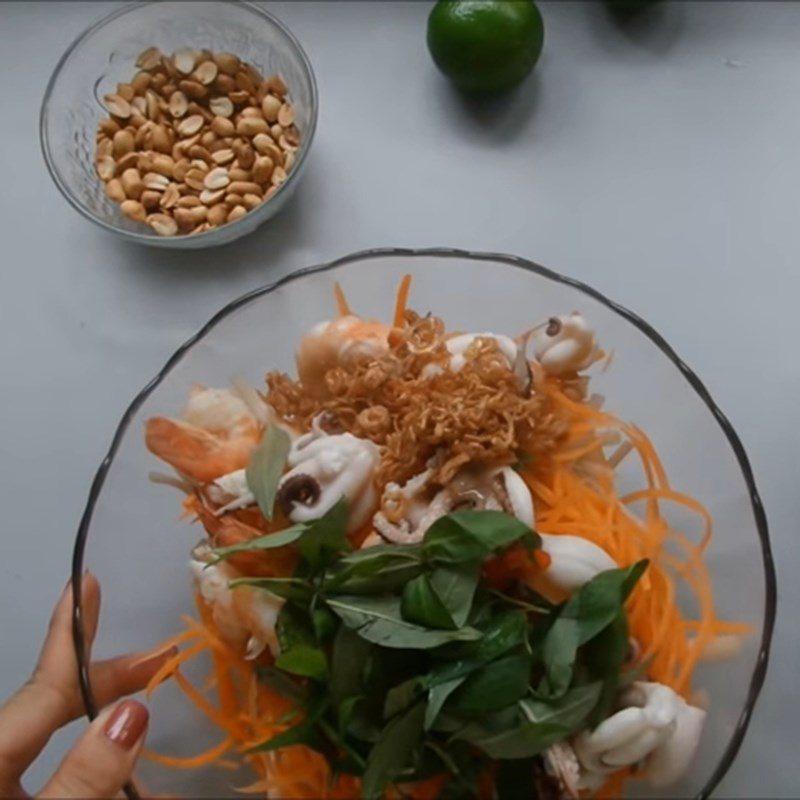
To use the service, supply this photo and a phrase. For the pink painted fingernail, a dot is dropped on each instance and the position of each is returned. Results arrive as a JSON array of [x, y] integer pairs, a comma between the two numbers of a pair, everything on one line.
[[127, 724]]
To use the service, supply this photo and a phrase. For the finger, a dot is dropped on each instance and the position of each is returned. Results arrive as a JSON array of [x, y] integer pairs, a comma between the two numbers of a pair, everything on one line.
[[51, 698], [59, 636], [48, 700], [102, 760]]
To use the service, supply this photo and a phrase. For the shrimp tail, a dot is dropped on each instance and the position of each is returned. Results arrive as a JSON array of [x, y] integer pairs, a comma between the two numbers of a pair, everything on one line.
[[194, 452]]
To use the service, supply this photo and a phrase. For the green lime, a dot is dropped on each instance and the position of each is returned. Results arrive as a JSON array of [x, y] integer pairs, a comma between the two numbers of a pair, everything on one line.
[[485, 45]]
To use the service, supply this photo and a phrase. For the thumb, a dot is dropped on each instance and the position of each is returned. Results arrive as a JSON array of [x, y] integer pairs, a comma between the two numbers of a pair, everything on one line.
[[102, 760]]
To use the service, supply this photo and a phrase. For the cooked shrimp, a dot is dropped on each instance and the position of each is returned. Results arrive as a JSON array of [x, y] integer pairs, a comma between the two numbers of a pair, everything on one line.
[[215, 436], [240, 527], [245, 617], [329, 344]]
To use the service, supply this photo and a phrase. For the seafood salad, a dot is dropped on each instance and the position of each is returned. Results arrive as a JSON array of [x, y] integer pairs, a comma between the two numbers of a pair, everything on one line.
[[417, 577]]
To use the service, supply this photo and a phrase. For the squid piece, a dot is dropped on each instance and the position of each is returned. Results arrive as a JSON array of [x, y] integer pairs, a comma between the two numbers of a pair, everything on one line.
[[655, 729], [494, 489], [574, 561], [457, 346], [323, 469], [565, 345]]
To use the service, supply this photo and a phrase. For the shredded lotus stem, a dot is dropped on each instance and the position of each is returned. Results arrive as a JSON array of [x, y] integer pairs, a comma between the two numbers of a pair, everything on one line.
[[415, 410]]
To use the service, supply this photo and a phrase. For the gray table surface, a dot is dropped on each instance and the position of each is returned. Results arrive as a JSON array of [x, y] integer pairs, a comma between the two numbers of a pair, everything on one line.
[[659, 165]]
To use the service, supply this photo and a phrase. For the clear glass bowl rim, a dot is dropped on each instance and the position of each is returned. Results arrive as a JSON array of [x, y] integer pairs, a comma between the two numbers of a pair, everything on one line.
[[146, 238], [770, 578]]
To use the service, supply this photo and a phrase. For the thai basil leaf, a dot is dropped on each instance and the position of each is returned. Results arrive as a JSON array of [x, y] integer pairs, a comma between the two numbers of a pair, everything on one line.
[[437, 697], [375, 570], [465, 769], [540, 725], [293, 628], [496, 686], [568, 712], [422, 605], [304, 660], [400, 697], [325, 624], [455, 587], [353, 760], [268, 541], [469, 536], [288, 588], [281, 684], [378, 620], [263, 473], [346, 711], [303, 733], [325, 537], [604, 656], [348, 656], [591, 609], [501, 634], [393, 751], [529, 607]]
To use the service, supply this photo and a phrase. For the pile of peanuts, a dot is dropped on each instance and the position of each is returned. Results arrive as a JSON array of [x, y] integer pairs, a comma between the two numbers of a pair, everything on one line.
[[195, 140]]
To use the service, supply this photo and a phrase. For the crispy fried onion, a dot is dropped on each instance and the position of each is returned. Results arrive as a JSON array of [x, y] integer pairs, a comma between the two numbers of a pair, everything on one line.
[[420, 413]]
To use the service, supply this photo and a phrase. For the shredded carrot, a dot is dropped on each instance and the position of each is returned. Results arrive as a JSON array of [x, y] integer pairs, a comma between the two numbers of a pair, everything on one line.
[[169, 667], [568, 503], [401, 301], [192, 762], [341, 301]]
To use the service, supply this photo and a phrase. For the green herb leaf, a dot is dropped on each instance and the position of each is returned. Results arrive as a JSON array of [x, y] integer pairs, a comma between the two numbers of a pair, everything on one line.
[[591, 609], [282, 684], [325, 623], [568, 712], [374, 570], [303, 733], [421, 604], [346, 711], [326, 537], [378, 620], [455, 587], [304, 660], [293, 628], [400, 697], [530, 607], [466, 770], [348, 657], [437, 697], [263, 473], [501, 634], [268, 541], [496, 686], [604, 656], [393, 751], [288, 588], [318, 540], [470, 536], [540, 725]]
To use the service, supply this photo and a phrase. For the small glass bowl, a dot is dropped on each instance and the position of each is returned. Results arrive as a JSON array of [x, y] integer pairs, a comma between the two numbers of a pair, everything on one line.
[[105, 54]]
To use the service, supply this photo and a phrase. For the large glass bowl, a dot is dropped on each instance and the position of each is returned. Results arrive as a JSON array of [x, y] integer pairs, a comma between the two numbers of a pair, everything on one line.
[[132, 538], [105, 54]]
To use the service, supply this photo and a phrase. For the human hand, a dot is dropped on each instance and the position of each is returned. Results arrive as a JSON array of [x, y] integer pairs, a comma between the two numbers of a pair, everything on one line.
[[102, 759]]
